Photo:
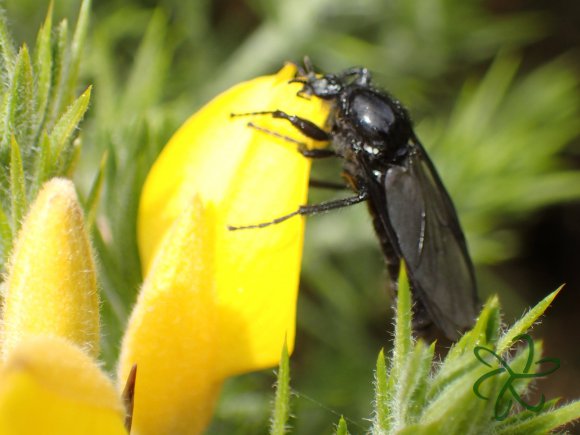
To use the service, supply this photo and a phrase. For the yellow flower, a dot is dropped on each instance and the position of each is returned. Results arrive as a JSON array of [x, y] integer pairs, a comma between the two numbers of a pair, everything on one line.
[[49, 381], [250, 177], [216, 302]]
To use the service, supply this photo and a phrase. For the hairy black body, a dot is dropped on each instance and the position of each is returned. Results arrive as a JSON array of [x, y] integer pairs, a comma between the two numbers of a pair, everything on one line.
[[386, 166]]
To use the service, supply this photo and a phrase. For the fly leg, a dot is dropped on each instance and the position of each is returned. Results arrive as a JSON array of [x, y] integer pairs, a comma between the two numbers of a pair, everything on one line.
[[330, 185], [312, 131], [304, 126], [308, 129], [308, 210]]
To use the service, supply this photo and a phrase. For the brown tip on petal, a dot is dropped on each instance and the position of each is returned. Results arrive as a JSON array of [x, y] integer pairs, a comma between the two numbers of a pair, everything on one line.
[[128, 397]]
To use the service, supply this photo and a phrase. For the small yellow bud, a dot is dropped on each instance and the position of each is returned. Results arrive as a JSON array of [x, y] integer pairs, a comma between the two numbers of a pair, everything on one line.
[[49, 386], [51, 288]]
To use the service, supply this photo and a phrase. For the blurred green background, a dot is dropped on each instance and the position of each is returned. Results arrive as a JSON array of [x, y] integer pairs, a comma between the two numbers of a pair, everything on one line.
[[493, 89]]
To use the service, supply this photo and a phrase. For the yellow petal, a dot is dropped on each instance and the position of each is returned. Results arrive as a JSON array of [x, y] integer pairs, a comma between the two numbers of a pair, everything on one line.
[[172, 334], [49, 386], [51, 286], [252, 177]]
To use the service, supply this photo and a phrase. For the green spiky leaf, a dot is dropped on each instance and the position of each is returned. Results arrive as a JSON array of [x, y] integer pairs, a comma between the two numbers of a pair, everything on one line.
[[281, 409], [39, 117], [17, 184], [342, 428], [462, 394]]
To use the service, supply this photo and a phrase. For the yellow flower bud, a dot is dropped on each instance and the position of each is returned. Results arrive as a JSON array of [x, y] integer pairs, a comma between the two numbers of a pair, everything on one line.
[[172, 334], [51, 288], [49, 386]]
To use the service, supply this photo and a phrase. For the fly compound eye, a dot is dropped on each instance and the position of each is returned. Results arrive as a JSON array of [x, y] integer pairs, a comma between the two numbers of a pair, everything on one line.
[[326, 87]]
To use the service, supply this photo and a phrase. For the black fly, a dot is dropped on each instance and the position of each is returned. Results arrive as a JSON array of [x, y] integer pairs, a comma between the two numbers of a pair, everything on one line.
[[386, 166]]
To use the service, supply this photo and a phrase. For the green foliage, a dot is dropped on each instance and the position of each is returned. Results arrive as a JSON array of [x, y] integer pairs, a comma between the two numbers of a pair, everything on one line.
[[341, 429], [416, 395], [509, 133], [281, 408], [39, 116]]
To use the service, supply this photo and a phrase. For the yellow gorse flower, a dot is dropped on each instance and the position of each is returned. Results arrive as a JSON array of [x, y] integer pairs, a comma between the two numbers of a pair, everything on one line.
[[249, 177], [214, 302], [229, 297]]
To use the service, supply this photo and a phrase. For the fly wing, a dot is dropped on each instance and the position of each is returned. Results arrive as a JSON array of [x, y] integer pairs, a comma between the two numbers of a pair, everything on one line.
[[430, 240]]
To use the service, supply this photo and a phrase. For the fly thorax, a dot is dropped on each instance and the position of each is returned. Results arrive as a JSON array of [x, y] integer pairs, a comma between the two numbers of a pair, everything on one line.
[[378, 122]]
